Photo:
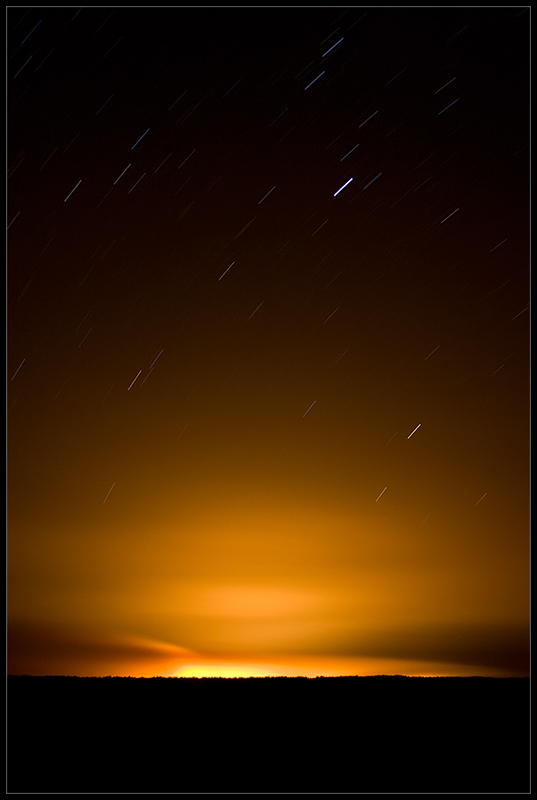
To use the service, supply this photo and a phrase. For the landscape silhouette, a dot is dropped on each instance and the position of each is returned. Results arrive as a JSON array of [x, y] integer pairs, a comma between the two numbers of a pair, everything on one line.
[[350, 734]]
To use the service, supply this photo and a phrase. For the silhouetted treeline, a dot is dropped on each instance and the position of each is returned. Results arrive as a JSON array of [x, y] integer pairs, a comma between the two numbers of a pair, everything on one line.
[[350, 734]]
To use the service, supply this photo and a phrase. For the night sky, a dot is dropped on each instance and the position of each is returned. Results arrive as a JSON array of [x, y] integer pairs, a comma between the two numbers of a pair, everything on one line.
[[268, 341]]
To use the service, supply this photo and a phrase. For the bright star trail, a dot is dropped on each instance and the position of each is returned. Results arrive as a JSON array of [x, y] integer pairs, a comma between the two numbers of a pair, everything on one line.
[[309, 408], [268, 319], [72, 190], [350, 151], [342, 187], [134, 381], [372, 181], [449, 215], [380, 495], [332, 48], [140, 139], [313, 81]]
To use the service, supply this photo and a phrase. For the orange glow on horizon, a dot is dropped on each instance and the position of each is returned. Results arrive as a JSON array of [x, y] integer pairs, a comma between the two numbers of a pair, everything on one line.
[[281, 590]]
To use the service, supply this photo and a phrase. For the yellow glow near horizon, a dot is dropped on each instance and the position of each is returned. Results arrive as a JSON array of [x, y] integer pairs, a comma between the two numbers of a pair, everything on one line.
[[225, 671], [329, 668]]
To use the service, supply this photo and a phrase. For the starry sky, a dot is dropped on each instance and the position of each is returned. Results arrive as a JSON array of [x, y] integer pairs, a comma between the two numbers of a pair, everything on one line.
[[268, 340]]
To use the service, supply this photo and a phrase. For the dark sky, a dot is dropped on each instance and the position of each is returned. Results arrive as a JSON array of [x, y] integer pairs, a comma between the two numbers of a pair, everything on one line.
[[268, 339]]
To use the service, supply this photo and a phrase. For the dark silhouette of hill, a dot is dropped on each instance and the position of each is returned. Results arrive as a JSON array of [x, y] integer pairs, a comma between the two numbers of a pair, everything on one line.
[[381, 734]]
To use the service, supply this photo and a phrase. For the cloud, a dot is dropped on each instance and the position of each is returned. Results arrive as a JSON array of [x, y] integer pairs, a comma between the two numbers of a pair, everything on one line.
[[487, 646], [41, 649]]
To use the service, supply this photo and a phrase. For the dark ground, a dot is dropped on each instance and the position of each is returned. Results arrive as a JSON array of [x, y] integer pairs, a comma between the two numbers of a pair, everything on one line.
[[278, 735]]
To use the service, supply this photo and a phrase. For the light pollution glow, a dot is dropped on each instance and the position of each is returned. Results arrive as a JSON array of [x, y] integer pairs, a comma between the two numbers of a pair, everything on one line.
[[265, 589]]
